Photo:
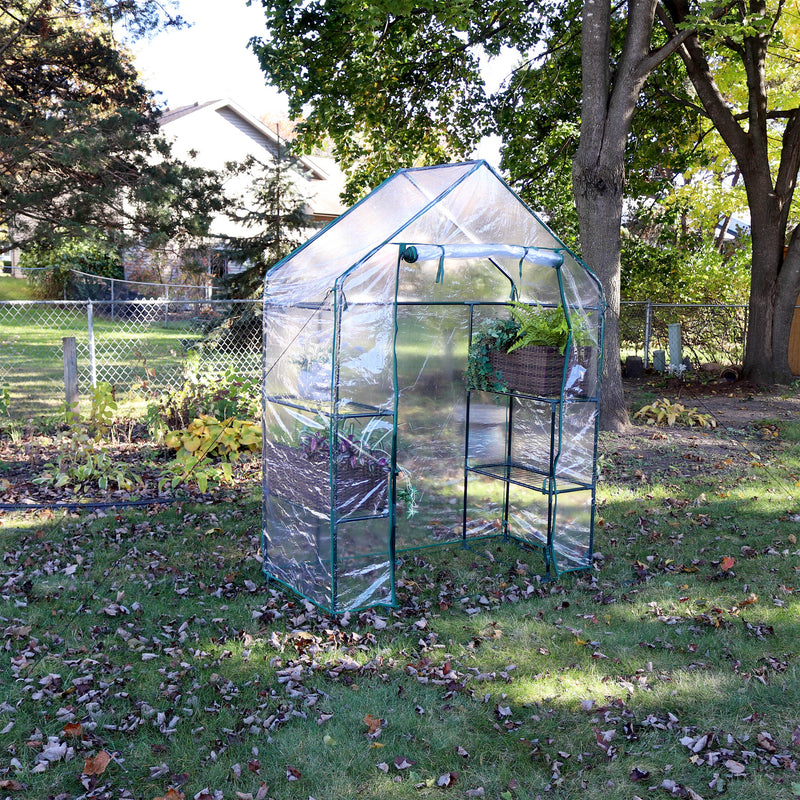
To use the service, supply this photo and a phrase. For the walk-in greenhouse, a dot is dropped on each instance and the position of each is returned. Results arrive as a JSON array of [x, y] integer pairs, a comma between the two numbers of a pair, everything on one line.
[[394, 418]]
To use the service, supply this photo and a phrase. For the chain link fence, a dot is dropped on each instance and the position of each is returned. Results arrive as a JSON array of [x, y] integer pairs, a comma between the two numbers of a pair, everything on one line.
[[141, 346], [84, 286], [144, 346], [709, 333]]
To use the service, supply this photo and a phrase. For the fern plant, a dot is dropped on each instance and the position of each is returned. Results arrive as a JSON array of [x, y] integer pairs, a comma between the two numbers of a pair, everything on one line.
[[547, 327]]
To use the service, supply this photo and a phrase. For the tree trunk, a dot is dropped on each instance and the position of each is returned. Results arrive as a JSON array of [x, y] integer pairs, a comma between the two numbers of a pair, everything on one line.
[[788, 289], [767, 247], [598, 198], [774, 284], [598, 171]]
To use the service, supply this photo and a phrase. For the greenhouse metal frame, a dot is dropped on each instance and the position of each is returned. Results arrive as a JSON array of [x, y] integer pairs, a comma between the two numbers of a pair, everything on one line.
[[373, 442]]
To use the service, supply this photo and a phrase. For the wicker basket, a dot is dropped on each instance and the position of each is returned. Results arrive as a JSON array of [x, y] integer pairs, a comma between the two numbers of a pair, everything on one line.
[[293, 476], [536, 370]]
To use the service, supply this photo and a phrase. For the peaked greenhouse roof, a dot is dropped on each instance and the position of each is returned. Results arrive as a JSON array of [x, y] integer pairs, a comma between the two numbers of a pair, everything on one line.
[[466, 203]]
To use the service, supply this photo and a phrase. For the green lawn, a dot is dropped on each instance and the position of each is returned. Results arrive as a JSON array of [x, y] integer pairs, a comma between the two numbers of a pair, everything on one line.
[[14, 288], [669, 670]]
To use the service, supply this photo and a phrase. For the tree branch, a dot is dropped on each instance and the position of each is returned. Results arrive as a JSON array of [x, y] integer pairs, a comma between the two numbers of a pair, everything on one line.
[[21, 27]]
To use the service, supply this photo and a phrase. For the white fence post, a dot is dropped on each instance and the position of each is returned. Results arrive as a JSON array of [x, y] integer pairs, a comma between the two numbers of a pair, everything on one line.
[[675, 355], [92, 362]]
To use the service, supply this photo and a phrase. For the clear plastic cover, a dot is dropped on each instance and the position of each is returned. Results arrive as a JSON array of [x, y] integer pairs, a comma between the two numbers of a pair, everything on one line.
[[373, 442]]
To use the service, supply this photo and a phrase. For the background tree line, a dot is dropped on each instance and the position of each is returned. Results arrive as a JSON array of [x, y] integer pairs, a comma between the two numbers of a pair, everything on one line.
[[666, 116]]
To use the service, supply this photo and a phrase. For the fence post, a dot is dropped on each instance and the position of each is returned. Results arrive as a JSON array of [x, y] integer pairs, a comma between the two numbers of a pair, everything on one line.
[[647, 328], [675, 354], [166, 308], [92, 362], [744, 333], [70, 375], [113, 306]]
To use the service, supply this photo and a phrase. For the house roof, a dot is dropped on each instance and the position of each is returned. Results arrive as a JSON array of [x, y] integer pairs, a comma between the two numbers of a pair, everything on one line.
[[245, 120], [172, 114], [219, 131]]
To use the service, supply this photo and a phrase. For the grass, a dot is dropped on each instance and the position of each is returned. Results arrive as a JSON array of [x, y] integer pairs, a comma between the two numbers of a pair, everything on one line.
[[14, 288], [151, 636]]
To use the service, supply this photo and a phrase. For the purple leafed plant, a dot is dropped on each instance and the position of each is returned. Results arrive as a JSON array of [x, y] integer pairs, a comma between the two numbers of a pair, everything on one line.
[[348, 450]]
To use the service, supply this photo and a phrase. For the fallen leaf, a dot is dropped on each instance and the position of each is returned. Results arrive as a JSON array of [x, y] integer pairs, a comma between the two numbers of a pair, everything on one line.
[[766, 742], [73, 729], [735, 767], [172, 794], [374, 724], [727, 563], [159, 772], [639, 774], [447, 780], [11, 786], [401, 762], [748, 601], [293, 774], [96, 765]]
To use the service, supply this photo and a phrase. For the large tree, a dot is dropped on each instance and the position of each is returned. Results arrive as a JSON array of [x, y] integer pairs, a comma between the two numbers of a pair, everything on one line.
[[80, 150], [753, 45]]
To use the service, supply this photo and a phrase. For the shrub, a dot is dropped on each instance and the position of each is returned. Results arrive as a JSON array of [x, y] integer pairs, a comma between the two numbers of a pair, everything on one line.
[[207, 447], [50, 276], [220, 396]]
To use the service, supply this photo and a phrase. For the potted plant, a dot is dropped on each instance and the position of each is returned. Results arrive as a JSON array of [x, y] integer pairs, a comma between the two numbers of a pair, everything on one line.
[[525, 353]]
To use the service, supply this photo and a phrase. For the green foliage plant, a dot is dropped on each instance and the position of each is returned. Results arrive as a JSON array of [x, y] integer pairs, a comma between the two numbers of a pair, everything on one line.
[[5, 400], [665, 412], [665, 273], [104, 409], [546, 327], [494, 335], [84, 461], [207, 448], [50, 265], [220, 396]]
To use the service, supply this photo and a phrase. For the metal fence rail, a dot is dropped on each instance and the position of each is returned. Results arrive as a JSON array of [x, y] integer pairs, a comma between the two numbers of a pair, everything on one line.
[[138, 346], [78, 285]]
